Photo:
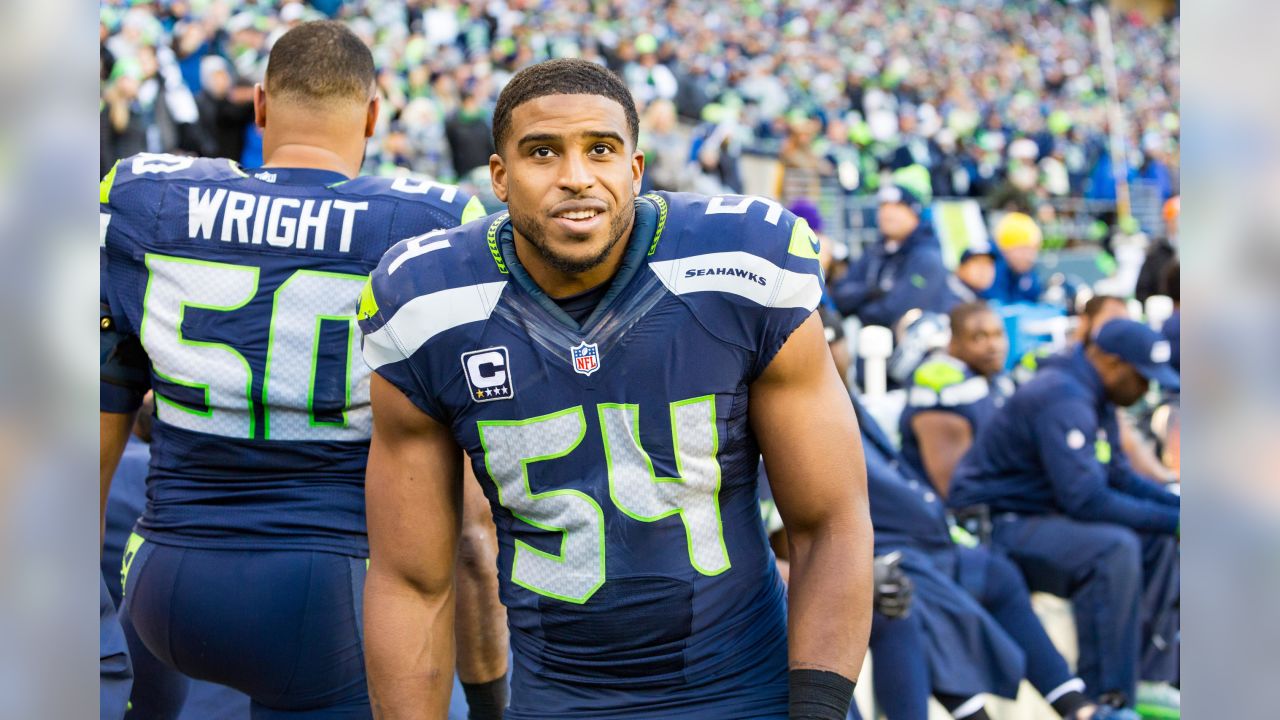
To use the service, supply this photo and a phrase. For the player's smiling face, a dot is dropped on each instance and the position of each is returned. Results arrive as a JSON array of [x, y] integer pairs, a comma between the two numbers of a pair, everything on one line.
[[569, 176]]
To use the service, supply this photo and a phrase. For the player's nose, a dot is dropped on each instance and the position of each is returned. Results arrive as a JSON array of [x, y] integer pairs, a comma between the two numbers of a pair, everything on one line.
[[576, 173]]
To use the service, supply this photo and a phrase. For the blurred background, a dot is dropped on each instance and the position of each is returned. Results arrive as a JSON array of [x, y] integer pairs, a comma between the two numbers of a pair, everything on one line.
[[980, 107]]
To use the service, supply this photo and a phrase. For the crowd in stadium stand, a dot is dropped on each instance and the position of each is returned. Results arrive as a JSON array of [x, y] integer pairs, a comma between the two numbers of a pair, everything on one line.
[[1003, 101], [887, 104]]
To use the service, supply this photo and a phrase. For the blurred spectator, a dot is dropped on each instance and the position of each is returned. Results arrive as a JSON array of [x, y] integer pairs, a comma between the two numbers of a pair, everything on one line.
[[975, 273], [225, 110], [716, 150], [1019, 238], [949, 86], [469, 135], [904, 270], [800, 168], [1172, 329], [124, 131], [1018, 191], [1162, 252], [666, 150], [647, 78]]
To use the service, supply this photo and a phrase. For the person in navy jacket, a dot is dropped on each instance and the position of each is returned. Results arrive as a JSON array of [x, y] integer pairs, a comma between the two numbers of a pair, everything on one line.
[[903, 271], [1074, 515]]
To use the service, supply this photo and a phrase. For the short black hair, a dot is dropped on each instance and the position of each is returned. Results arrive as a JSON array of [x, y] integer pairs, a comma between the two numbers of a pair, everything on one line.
[[565, 76], [961, 313], [320, 61], [1094, 305]]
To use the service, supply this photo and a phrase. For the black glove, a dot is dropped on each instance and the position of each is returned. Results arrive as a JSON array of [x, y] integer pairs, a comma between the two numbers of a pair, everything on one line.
[[893, 587]]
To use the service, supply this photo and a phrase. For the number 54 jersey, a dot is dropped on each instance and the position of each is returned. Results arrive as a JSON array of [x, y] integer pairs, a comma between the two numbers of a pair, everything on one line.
[[242, 289], [616, 453]]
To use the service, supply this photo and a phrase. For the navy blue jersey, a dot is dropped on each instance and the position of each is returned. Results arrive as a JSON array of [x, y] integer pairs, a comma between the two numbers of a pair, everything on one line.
[[944, 383], [1049, 450], [242, 289], [616, 454]]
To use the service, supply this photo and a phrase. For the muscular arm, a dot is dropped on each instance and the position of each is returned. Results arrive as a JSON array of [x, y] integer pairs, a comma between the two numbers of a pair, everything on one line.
[[482, 620], [113, 435], [413, 495], [805, 423], [944, 438]]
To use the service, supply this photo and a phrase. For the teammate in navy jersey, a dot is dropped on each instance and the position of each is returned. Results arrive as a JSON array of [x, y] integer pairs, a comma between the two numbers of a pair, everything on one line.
[[954, 392], [613, 367], [232, 294]]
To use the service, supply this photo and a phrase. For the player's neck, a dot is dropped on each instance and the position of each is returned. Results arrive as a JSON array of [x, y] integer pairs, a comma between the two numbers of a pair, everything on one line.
[[305, 155], [557, 283]]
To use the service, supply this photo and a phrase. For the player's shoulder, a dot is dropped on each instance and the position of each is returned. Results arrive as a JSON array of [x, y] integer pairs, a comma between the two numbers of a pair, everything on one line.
[[446, 201], [940, 370], [433, 282], [140, 171], [737, 245], [945, 381], [1051, 387]]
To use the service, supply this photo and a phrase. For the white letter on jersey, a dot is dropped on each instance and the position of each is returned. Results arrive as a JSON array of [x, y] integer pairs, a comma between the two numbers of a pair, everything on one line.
[[717, 206], [317, 223], [493, 359], [277, 223], [239, 209], [202, 211], [349, 210]]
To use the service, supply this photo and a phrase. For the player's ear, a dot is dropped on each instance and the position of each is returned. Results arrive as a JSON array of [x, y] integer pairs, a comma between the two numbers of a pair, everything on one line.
[[371, 120], [637, 171], [498, 177], [259, 105]]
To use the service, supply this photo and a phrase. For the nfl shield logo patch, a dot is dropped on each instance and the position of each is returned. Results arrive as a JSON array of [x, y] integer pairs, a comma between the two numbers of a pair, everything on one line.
[[586, 358]]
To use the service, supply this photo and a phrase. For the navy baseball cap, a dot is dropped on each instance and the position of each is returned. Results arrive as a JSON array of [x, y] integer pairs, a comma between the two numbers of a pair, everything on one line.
[[900, 194], [1140, 346]]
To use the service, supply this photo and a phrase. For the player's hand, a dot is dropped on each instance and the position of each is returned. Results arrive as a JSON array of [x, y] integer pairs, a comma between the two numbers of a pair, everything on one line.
[[893, 587]]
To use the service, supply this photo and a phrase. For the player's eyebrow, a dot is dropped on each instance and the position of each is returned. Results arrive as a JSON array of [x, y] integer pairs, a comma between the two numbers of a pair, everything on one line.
[[554, 138]]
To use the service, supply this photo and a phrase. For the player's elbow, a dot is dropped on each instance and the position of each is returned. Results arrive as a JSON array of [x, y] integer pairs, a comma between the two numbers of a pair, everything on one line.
[[419, 583], [477, 552]]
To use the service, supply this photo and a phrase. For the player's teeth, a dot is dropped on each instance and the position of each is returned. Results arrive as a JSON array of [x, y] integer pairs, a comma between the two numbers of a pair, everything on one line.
[[579, 215]]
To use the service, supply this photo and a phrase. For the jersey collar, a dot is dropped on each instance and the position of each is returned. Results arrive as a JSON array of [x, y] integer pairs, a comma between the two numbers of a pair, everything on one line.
[[296, 176], [646, 224]]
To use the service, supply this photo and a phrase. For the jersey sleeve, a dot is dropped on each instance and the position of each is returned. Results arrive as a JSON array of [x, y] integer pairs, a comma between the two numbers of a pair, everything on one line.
[[383, 299], [421, 291], [423, 205], [747, 269], [940, 384], [126, 214], [797, 291]]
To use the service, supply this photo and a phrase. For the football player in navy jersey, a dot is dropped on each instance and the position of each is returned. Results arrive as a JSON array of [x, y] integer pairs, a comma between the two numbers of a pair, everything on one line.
[[954, 392], [614, 367], [232, 294]]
